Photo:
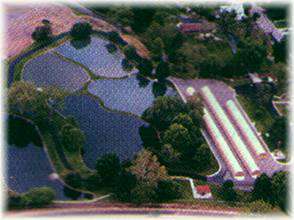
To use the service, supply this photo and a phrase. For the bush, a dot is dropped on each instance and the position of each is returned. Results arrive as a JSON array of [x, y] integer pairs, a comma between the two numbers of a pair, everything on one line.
[[15, 201], [167, 190], [81, 30], [114, 37], [126, 65], [227, 191], [74, 180], [38, 197], [70, 193], [111, 48], [42, 34], [108, 167]]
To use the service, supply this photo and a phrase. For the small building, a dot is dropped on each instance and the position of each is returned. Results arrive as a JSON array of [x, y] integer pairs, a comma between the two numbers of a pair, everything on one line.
[[265, 24], [261, 78], [278, 155], [200, 27], [203, 192], [236, 7]]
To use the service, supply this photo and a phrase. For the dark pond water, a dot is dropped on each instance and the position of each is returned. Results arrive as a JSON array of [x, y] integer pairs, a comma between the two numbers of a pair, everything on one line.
[[50, 70], [105, 131], [27, 164], [96, 57], [128, 94]]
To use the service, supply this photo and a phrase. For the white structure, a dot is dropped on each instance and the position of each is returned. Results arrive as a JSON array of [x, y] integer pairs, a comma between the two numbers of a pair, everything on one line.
[[237, 8], [231, 133], [223, 147], [246, 130]]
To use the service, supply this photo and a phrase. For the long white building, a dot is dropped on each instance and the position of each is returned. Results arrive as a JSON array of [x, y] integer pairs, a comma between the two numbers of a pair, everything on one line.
[[236, 142], [246, 130], [223, 147]]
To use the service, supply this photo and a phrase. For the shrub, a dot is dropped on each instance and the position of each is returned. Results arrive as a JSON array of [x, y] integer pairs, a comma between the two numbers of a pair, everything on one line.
[[167, 190], [42, 34], [38, 197], [81, 30], [15, 201], [111, 48], [74, 180], [70, 193], [126, 65]]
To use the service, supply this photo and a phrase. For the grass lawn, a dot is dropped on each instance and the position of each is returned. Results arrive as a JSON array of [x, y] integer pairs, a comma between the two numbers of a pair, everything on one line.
[[262, 121]]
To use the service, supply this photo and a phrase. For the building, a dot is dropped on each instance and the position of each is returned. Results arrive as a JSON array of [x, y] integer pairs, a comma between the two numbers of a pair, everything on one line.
[[237, 8], [264, 23], [256, 78], [200, 27], [203, 192]]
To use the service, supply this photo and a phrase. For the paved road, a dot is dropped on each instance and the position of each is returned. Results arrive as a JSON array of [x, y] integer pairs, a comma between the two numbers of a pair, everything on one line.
[[169, 209]]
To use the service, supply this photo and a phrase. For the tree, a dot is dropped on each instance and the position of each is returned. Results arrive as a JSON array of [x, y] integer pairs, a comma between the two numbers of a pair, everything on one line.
[[280, 51], [39, 197], [70, 193], [263, 189], [14, 200], [81, 30], [202, 158], [72, 138], [157, 48], [25, 99], [125, 183], [162, 70], [108, 167], [278, 134], [169, 155], [143, 193], [130, 52], [163, 111], [74, 180], [227, 191], [280, 183], [184, 119], [147, 169], [145, 67], [149, 137], [42, 34], [178, 137], [167, 190], [250, 56]]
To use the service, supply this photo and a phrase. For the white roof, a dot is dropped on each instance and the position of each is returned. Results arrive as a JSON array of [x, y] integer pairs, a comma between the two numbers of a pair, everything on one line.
[[222, 146], [245, 128], [238, 8], [231, 132]]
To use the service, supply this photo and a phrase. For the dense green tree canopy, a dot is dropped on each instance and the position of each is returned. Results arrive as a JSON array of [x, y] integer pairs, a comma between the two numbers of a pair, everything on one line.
[[81, 30], [163, 111], [263, 189], [108, 167]]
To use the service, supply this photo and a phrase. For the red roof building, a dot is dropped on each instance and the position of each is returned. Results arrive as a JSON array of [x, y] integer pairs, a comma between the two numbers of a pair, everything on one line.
[[203, 189], [196, 27]]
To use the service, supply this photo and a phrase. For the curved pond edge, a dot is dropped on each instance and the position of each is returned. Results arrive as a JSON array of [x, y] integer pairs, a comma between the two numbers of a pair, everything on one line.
[[52, 165]]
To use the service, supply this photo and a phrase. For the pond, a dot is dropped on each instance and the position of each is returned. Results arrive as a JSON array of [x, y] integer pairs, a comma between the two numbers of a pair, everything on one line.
[[96, 58], [105, 131], [28, 165], [128, 94], [51, 70]]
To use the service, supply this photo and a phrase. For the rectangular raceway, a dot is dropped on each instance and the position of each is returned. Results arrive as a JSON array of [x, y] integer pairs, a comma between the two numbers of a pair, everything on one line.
[[238, 144]]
